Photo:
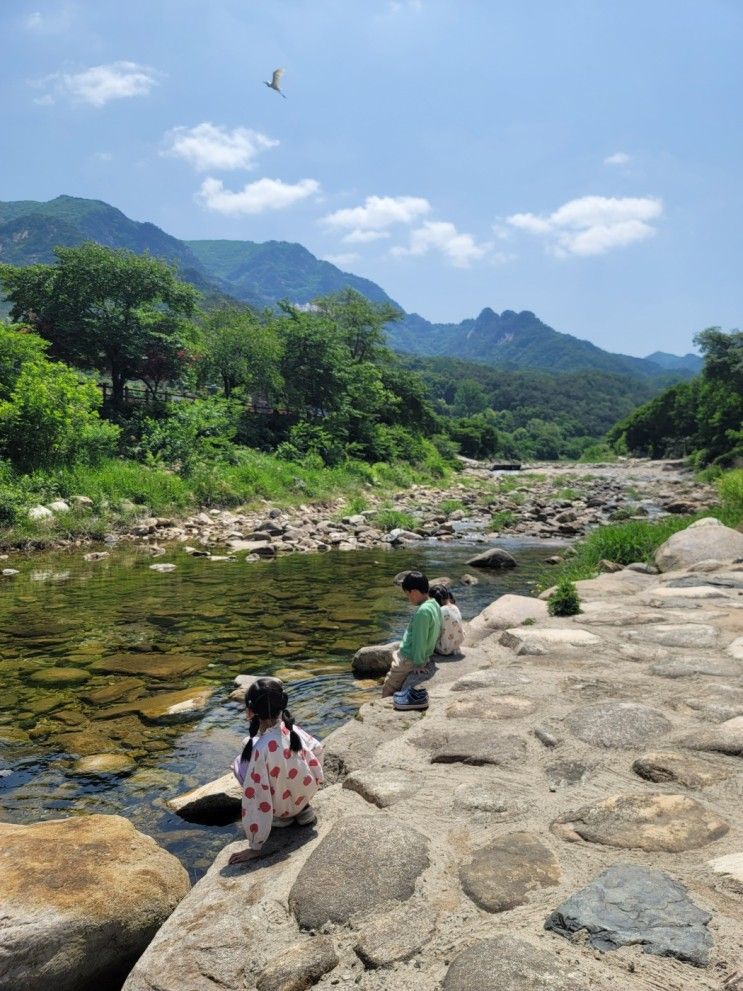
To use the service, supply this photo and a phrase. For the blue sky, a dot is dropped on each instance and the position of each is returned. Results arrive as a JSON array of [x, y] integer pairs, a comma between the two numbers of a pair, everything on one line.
[[577, 158]]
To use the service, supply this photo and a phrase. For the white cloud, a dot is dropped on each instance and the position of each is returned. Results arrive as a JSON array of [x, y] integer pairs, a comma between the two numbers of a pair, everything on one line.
[[592, 225], [34, 21], [209, 146], [379, 212], [255, 197], [100, 84], [342, 259], [460, 249], [618, 158], [364, 237], [103, 156]]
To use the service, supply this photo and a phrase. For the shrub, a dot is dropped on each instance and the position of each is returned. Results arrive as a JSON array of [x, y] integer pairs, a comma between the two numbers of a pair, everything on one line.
[[391, 519], [565, 600], [449, 506], [501, 520]]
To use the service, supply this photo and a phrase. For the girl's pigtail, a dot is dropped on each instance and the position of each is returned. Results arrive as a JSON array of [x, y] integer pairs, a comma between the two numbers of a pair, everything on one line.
[[294, 742], [255, 723]]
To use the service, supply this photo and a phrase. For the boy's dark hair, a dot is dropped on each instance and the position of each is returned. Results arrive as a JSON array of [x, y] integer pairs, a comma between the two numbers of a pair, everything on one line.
[[441, 594], [415, 581], [267, 698]]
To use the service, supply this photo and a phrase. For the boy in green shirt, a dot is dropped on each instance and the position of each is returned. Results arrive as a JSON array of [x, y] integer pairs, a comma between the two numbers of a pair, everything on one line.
[[412, 662]]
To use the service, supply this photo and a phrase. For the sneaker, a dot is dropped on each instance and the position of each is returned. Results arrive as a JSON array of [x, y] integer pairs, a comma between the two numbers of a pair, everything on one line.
[[306, 817], [281, 822], [414, 698]]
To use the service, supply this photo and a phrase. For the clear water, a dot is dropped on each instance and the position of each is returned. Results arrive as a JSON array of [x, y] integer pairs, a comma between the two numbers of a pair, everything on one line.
[[300, 617]]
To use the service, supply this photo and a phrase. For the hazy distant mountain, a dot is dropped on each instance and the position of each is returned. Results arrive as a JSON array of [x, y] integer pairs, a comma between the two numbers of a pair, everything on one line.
[[262, 274], [689, 362]]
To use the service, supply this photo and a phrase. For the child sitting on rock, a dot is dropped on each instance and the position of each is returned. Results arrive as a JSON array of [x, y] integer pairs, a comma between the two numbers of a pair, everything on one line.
[[452, 628], [412, 662], [280, 768]]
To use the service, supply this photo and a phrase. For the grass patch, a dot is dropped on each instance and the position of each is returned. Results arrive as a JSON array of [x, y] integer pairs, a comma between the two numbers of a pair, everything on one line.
[[567, 495], [502, 520], [391, 519], [449, 506]]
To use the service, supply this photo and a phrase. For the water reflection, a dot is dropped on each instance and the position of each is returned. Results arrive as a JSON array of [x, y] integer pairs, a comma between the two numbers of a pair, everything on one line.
[[80, 641]]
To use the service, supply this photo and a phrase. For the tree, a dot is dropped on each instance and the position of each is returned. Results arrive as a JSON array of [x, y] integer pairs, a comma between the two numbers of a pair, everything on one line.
[[360, 322], [101, 308], [241, 350], [17, 347]]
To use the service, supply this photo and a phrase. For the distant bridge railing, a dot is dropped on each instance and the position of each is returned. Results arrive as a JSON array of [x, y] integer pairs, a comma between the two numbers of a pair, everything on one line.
[[137, 396]]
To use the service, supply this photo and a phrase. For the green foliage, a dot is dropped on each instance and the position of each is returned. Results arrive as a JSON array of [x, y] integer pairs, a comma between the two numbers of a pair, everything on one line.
[[730, 489], [567, 494], [192, 433], [391, 519], [355, 505], [564, 601], [311, 439], [449, 506], [240, 351], [17, 347], [502, 520]]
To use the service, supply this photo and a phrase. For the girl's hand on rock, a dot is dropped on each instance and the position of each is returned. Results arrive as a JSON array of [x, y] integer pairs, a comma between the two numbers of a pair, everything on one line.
[[244, 855]]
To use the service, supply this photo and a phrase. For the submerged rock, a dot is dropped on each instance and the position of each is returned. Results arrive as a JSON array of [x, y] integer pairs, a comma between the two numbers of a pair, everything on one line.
[[629, 905], [494, 557]]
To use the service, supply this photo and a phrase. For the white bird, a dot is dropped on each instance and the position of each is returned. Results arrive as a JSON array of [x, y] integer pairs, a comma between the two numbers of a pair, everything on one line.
[[275, 80]]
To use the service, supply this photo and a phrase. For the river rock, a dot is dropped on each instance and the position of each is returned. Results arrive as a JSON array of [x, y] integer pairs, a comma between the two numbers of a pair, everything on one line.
[[490, 707], [670, 823], [10, 572], [375, 660], [735, 649], [59, 506], [81, 899], [395, 932], [57, 677], [505, 963], [500, 875], [490, 678], [727, 738], [506, 611], [629, 905], [617, 724], [731, 867], [104, 765], [40, 513], [494, 557], [345, 875], [524, 640], [679, 768], [476, 746], [690, 669], [122, 688], [299, 967], [692, 635], [165, 708], [168, 667], [707, 538], [96, 556], [218, 801], [382, 788], [162, 568]]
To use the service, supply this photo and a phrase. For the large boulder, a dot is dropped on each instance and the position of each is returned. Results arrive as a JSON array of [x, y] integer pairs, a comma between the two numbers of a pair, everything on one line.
[[215, 803], [507, 611], [375, 660], [494, 557], [80, 899], [707, 538]]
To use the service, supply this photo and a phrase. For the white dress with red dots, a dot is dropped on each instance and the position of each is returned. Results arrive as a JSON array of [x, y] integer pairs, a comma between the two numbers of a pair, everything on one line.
[[277, 783]]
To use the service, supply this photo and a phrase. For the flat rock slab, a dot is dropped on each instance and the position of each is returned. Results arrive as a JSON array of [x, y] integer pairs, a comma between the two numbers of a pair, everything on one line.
[[617, 724], [731, 866], [299, 967], [679, 768], [217, 801], [501, 875], [395, 932], [81, 898], [691, 635], [165, 666], [490, 706], [505, 963], [466, 745], [690, 669], [362, 862], [164, 709], [629, 906], [735, 649], [490, 678], [727, 738], [507, 611], [120, 690], [369, 662], [383, 788], [104, 765], [524, 640], [494, 557], [707, 538], [670, 823], [483, 797], [566, 772], [54, 677]]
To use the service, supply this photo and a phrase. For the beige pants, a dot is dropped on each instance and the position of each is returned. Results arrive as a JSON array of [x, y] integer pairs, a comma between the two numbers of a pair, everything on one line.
[[402, 670]]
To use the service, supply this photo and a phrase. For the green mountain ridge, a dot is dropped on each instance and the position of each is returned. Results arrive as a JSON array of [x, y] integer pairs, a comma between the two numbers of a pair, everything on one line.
[[262, 274]]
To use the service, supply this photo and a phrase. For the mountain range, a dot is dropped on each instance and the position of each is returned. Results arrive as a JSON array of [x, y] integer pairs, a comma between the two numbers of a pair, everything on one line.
[[261, 274]]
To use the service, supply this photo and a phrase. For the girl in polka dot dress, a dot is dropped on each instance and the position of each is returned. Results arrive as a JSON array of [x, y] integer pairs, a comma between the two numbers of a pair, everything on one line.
[[280, 768]]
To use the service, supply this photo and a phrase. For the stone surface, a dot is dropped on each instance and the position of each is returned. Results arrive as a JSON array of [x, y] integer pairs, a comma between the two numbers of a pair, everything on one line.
[[165, 708], [506, 611], [40, 513], [476, 746], [382, 788], [122, 688], [505, 963], [692, 635], [735, 649], [679, 768], [629, 905], [299, 967], [525, 640], [707, 538], [395, 932], [81, 898], [162, 568], [153, 665], [59, 676], [362, 862], [490, 678], [490, 706], [500, 875], [617, 724], [690, 669], [727, 738], [369, 662], [670, 823], [494, 557], [215, 802], [104, 765], [731, 867]]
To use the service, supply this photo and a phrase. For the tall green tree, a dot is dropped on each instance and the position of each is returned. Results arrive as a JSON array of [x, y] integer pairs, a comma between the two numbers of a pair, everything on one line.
[[360, 323], [241, 350], [101, 308]]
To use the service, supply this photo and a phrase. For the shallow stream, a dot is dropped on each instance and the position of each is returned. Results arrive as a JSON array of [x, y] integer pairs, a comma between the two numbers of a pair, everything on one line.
[[77, 638]]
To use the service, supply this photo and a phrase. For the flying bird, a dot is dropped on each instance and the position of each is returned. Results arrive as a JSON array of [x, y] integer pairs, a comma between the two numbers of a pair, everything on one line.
[[275, 80]]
